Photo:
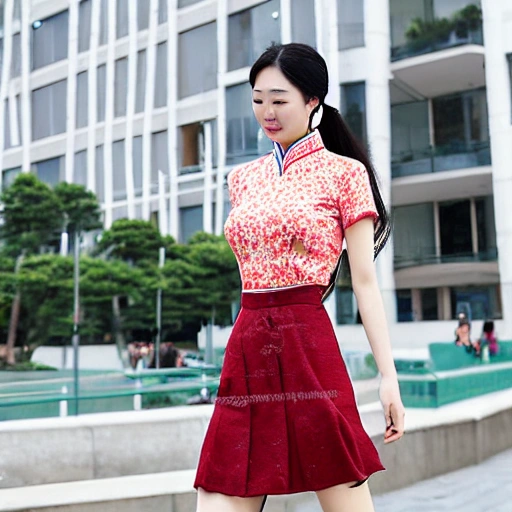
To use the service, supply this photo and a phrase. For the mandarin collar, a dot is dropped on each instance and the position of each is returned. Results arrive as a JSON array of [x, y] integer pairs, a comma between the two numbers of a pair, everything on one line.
[[301, 148]]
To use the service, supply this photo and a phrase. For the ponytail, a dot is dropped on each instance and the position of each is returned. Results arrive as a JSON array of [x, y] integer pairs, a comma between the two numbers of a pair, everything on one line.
[[338, 139]]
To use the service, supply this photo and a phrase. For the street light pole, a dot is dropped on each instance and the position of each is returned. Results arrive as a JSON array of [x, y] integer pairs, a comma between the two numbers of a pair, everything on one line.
[[161, 262], [76, 315]]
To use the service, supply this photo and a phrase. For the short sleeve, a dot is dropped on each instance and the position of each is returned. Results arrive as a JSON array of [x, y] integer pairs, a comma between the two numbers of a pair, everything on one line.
[[355, 200]]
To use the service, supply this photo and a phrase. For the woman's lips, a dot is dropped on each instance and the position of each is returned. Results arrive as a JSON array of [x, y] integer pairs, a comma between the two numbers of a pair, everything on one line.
[[272, 129]]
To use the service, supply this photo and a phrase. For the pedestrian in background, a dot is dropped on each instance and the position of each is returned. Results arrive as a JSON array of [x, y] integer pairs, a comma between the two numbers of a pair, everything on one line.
[[285, 419]]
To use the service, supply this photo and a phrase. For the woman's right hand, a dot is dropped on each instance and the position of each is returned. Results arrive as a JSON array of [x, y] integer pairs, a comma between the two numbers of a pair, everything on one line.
[[394, 410]]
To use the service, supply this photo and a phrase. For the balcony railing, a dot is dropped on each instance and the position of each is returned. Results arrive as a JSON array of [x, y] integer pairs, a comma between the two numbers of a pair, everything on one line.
[[441, 158], [436, 36], [429, 257]]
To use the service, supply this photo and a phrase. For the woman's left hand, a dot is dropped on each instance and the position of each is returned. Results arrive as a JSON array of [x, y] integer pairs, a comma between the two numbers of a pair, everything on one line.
[[394, 410]]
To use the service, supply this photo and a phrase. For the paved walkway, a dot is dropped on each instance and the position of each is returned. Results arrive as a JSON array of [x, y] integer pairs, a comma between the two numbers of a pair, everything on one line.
[[486, 487]]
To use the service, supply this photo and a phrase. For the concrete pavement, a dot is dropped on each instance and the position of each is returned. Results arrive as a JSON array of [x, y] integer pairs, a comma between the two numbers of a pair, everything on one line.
[[486, 487]]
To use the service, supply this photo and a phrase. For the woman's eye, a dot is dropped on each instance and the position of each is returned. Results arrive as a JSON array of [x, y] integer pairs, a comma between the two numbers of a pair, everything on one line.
[[278, 102], [258, 102]]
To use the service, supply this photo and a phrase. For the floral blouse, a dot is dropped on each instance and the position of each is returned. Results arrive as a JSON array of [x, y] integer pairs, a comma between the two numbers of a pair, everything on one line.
[[289, 211]]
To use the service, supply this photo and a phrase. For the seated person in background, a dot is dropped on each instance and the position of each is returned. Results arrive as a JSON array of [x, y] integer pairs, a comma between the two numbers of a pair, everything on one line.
[[488, 338], [462, 334]]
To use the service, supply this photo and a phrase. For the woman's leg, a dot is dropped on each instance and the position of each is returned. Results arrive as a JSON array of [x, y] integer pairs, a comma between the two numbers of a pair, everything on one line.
[[344, 498], [216, 502]]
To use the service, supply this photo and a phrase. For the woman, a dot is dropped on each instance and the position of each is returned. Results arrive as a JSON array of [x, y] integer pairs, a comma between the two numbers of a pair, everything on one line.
[[285, 418]]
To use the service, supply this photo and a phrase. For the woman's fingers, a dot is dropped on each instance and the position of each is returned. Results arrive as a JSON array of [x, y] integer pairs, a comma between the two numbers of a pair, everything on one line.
[[394, 423]]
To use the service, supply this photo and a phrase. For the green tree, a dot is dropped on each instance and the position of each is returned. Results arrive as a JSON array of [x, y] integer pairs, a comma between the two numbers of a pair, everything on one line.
[[132, 241], [32, 215], [79, 206]]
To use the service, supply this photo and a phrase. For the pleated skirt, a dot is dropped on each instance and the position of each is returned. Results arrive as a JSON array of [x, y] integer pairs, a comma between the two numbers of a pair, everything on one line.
[[285, 418]]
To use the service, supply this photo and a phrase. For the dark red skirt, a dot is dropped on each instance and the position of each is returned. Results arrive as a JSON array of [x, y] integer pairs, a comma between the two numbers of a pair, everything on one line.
[[285, 419]]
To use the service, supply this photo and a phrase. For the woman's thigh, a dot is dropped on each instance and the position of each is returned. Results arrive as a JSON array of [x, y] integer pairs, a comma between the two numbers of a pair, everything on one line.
[[216, 502], [344, 498]]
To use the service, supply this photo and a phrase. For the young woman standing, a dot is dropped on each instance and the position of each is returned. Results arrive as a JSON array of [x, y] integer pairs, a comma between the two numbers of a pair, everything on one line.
[[285, 419]]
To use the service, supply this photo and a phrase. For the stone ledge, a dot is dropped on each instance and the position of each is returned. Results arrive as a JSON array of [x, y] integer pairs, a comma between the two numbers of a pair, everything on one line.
[[97, 491]]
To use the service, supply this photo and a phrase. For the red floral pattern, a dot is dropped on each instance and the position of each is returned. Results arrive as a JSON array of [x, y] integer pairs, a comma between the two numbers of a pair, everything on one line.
[[317, 197]]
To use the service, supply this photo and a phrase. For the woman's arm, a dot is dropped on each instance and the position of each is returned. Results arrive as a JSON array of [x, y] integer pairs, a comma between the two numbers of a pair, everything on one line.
[[359, 239]]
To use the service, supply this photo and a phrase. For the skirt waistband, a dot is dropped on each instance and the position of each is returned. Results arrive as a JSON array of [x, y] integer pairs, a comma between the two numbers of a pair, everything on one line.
[[308, 294]]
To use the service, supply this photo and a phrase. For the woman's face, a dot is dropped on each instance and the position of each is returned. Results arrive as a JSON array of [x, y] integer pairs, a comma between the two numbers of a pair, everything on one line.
[[280, 107]]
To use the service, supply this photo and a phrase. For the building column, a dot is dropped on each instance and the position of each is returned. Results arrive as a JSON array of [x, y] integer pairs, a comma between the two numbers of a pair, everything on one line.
[[378, 114], [500, 128]]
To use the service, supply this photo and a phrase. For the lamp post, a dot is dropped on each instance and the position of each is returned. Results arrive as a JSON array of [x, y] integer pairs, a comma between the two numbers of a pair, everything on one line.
[[76, 314]]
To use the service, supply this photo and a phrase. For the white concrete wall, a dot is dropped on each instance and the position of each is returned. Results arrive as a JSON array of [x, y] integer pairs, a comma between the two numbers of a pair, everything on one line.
[[498, 42]]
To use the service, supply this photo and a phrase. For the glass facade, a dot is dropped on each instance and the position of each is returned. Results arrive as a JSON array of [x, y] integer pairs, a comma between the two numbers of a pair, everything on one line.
[[424, 26], [8, 176], [350, 24], [414, 234], [478, 302], [245, 139], [161, 76], [118, 170], [353, 109], [50, 171], [82, 102], [50, 40], [466, 232], [80, 168], [251, 31], [191, 220], [49, 110], [303, 22], [197, 71], [460, 134], [120, 87], [84, 25]]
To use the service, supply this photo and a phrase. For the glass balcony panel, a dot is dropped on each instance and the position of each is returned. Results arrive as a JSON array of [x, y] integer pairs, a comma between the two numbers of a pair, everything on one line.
[[420, 26]]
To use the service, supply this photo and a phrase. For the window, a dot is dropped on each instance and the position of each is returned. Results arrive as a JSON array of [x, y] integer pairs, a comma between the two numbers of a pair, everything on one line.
[[121, 212], [485, 225], [455, 226], [80, 168], [478, 302], [191, 221], [50, 41], [303, 22], [162, 12], [159, 158], [410, 139], [50, 171], [353, 109], [84, 25], [82, 99], [197, 71], [245, 139], [414, 234], [350, 24], [104, 21], [122, 18], [137, 165], [143, 13], [461, 121], [161, 76], [140, 90], [191, 148], [16, 55], [346, 306], [250, 32], [118, 171], [120, 87], [101, 85], [99, 173], [185, 3], [12, 129], [404, 305], [429, 309], [8, 176], [49, 110]]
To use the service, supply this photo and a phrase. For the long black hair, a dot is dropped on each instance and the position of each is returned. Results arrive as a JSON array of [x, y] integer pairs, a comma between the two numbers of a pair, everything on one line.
[[306, 69]]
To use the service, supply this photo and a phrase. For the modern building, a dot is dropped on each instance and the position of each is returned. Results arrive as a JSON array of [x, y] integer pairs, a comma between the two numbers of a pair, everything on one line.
[[147, 103]]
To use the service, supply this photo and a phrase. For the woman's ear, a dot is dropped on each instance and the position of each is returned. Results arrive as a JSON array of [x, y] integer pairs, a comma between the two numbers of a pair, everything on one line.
[[313, 103]]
